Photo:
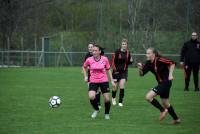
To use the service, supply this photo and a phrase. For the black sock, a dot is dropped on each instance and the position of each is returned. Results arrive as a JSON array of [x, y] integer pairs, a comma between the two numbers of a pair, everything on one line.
[[107, 107], [187, 81], [121, 95], [172, 113], [156, 104], [114, 94], [94, 104], [98, 98]]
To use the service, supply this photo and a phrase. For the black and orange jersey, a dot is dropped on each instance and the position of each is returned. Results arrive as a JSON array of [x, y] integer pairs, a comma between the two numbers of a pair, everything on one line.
[[159, 67], [121, 60]]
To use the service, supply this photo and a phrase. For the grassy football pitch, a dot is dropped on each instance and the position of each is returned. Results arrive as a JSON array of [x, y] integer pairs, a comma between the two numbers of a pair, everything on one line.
[[24, 109]]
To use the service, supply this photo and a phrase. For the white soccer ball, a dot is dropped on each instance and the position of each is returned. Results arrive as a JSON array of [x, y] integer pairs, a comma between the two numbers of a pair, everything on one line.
[[54, 101]]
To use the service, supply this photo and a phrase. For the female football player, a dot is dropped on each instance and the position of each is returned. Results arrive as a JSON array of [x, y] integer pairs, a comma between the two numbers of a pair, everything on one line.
[[89, 54], [120, 61], [163, 69], [99, 67]]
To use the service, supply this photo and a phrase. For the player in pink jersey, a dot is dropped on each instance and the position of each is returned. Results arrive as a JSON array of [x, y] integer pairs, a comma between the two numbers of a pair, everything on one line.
[[99, 67], [89, 54]]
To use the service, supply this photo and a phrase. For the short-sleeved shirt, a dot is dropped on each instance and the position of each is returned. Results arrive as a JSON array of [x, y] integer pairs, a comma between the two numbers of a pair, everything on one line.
[[159, 67], [98, 69], [121, 60], [87, 56]]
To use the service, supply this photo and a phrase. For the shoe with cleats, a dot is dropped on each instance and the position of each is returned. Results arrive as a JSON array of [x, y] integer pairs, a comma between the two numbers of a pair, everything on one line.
[[114, 101], [107, 117], [94, 114], [121, 104], [163, 114], [175, 122]]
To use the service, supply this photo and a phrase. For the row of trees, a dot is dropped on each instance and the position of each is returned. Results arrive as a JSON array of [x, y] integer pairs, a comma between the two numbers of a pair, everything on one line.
[[159, 23]]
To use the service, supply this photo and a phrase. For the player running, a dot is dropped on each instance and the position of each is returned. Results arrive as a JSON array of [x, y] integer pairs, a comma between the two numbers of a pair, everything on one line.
[[163, 69], [99, 67], [89, 54], [120, 61]]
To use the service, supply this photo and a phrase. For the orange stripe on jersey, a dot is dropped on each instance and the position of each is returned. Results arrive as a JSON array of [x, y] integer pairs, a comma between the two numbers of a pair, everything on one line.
[[155, 68], [113, 62], [127, 54], [166, 61]]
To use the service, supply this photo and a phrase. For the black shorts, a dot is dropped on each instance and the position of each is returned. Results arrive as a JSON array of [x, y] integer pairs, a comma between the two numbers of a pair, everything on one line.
[[103, 86], [163, 89], [117, 76]]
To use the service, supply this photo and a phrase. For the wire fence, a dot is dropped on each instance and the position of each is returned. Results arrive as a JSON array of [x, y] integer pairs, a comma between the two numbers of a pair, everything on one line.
[[18, 58]]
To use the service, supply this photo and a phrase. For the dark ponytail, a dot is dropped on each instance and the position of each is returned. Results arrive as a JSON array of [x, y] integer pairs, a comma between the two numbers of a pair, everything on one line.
[[156, 52], [100, 48]]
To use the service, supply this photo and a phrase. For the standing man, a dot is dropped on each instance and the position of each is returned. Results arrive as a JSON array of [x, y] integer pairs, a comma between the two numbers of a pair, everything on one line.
[[190, 61]]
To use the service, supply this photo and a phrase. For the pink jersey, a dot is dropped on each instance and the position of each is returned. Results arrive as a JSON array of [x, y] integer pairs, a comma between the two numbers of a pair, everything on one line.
[[98, 69]]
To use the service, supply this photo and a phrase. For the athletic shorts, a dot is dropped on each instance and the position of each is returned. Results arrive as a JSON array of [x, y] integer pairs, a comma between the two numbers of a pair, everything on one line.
[[163, 89], [103, 86], [117, 76]]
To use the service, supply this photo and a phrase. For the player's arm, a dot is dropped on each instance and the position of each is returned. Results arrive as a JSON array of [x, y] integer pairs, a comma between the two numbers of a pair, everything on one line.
[[130, 59], [85, 58], [84, 68], [113, 62], [85, 74], [111, 78], [143, 69], [107, 66], [171, 70], [171, 64]]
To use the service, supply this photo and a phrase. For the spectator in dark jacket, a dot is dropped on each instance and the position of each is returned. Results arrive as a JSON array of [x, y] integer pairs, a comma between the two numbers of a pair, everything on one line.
[[190, 60]]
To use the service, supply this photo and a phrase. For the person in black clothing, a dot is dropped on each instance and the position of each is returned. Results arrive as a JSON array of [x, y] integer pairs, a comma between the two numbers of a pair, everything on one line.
[[163, 69], [89, 54], [190, 61], [120, 61]]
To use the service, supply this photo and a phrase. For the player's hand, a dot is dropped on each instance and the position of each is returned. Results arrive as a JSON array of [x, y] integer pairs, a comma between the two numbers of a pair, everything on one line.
[[139, 65], [182, 64], [86, 79], [171, 77], [131, 59], [113, 83]]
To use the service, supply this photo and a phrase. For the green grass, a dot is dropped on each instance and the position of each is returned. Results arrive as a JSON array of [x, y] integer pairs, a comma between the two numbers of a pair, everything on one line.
[[24, 94]]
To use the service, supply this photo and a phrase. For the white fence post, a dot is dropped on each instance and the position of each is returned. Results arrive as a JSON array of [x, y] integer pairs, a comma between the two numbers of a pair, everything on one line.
[[35, 46], [22, 54], [8, 54]]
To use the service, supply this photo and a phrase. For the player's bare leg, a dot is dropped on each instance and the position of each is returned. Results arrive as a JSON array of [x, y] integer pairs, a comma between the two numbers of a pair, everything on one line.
[[114, 92], [150, 97], [92, 97]]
